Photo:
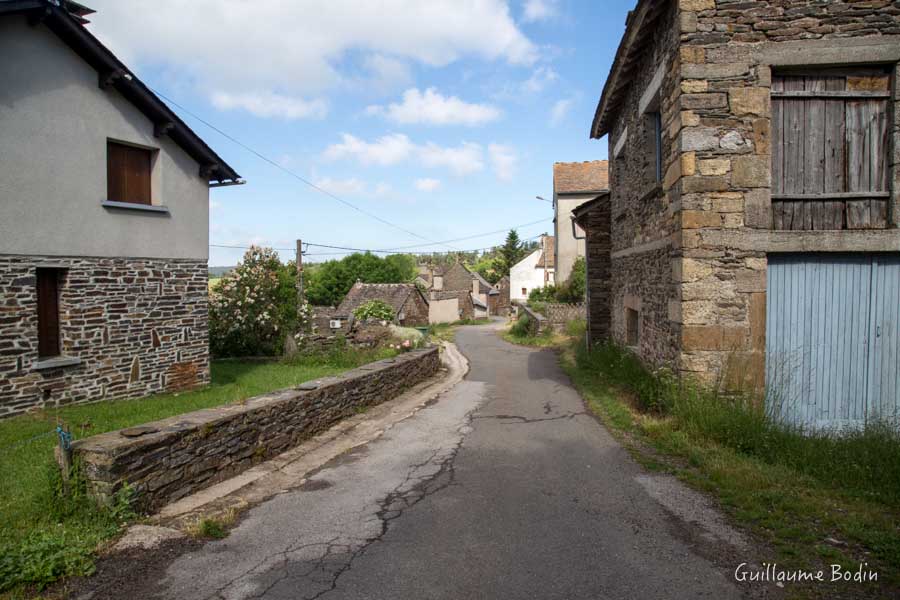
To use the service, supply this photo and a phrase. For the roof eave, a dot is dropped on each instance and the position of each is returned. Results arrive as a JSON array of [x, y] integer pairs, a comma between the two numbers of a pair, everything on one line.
[[637, 18], [113, 73]]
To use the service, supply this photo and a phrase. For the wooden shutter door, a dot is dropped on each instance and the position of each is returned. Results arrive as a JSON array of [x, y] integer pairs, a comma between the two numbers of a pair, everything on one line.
[[128, 173], [48, 312], [830, 150]]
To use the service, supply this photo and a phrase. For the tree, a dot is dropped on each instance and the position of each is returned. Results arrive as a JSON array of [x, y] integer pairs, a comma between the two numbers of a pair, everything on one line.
[[511, 252], [488, 267], [330, 281]]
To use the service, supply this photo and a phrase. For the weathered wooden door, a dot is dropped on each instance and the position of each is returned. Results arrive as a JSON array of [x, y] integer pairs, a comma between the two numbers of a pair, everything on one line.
[[830, 149], [832, 335]]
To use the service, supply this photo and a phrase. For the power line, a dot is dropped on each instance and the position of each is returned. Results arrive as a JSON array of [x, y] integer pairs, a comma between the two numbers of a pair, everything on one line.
[[471, 237], [293, 174]]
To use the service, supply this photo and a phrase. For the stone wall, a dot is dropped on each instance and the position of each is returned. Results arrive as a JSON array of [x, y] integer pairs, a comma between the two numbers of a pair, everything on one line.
[[558, 314], [178, 456], [415, 310], [643, 210], [728, 51], [598, 273], [132, 327]]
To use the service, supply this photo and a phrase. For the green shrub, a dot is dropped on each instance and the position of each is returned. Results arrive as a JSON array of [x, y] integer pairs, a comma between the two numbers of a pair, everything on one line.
[[544, 294], [576, 328], [375, 310], [522, 327]]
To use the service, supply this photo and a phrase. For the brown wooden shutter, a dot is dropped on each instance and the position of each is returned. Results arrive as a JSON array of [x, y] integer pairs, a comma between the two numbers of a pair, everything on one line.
[[48, 312], [128, 173], [830, 150]]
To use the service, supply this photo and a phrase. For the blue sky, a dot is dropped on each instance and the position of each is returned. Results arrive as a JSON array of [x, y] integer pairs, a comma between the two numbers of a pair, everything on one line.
[[443, 117]]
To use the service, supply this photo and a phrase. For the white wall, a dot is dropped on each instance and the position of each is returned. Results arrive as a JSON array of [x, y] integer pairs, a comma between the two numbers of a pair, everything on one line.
[[54, 125], [525, 274], [443, 311], [568, 248]]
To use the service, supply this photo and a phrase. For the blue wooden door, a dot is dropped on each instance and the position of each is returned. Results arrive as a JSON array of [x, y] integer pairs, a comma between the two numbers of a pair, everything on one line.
[[832, 335]]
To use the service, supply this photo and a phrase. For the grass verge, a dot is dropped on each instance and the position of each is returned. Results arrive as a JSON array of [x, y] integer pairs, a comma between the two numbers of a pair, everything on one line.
[[815, 499], [44, 535], [522, 333]]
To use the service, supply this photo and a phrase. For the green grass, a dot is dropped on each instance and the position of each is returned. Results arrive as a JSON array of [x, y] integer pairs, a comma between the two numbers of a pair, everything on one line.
[[42, 537], [792, 490], [520, 333]]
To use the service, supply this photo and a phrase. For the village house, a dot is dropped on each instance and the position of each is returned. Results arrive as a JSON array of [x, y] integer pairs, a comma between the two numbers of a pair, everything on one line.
[[104, 221], [475, 297], [409, 304], [573, 185], [502, 306], [751, 226], [535, 271]]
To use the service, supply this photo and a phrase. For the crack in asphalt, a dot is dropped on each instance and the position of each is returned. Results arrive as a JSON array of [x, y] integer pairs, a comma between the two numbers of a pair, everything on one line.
[[340, 551], [522, 420]]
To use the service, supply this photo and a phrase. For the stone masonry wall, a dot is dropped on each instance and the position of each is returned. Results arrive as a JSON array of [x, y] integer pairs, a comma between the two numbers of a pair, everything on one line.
[[642, 210], [598, 272], [138, 327], [186, 453], [728, 50]]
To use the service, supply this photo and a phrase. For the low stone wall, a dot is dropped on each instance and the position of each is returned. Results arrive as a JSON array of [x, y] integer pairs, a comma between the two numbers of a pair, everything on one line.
[[559, 314], [537, 323], [172, 458]]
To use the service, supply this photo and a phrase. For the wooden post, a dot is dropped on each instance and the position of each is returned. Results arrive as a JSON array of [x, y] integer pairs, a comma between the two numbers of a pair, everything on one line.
[[64, 455], [300, 272]]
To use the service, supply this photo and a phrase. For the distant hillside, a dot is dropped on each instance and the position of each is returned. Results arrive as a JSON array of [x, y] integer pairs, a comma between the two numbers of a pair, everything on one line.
[[219, 271]]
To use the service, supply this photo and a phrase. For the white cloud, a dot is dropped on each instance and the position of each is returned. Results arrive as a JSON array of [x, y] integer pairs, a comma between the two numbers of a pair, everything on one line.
[[540, 79], [385, 73], [503, 161], [560, 110], [267, 104], [396, 148], [385, 151], [433, 108], [427, 184], [342, 187], [301, 49], [539, 10], [382, 189], [461, 160]]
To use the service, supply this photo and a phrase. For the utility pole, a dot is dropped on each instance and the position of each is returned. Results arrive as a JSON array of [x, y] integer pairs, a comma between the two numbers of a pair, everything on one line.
[[299, 272]]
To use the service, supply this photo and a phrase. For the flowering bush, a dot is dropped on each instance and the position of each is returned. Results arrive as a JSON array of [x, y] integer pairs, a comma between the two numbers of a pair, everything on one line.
[[375, 310], [254, 307]]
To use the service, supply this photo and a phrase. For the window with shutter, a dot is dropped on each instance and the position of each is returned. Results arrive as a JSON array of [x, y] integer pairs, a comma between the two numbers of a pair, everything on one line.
[[48, 312], [128, 170], [830, 149]]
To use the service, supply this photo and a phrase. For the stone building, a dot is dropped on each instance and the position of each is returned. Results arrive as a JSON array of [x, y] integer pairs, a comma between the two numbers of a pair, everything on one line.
[[503, 301], [104, 222], [573, 185], [409, 304], [754, 179]]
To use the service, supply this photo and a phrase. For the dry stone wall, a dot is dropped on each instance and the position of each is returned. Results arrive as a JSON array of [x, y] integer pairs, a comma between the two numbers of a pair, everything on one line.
[[135, 326], [175, 457]]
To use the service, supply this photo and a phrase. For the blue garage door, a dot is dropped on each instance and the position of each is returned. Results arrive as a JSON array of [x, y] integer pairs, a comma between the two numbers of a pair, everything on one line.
[[833, 339]]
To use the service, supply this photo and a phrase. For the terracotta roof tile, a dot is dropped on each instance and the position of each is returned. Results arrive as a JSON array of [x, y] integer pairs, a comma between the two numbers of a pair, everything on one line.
[[588, 176]]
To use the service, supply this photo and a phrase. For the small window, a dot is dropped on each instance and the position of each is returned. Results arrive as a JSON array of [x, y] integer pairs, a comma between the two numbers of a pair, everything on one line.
[[632, 323], [656, 124], [48, 312], [524, 291], [128, 171]]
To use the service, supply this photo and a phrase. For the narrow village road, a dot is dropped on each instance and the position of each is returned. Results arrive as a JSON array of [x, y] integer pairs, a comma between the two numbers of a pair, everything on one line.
[[503, 488]]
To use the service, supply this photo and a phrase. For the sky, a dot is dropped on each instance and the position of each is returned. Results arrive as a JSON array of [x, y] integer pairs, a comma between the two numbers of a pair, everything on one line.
[[442, 118]]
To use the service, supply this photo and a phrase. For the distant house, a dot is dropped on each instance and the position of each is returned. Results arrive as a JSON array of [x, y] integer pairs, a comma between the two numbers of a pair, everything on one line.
[[535, 271], [458, 281], [104, 221], [573, 185], [409, 304], [503, 301]]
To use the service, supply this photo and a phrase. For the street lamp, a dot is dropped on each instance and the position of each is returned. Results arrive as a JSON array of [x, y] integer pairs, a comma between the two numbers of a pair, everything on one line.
[[544, 199]]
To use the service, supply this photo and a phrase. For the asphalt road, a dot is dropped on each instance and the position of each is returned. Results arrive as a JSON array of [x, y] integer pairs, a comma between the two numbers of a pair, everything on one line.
[[503, 488]]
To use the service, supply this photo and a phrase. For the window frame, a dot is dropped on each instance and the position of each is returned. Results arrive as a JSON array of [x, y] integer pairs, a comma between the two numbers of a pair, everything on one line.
[[632, 327]]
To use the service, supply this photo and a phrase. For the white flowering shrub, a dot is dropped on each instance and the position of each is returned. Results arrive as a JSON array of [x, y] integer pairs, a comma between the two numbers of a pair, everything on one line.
[[254, 307]]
